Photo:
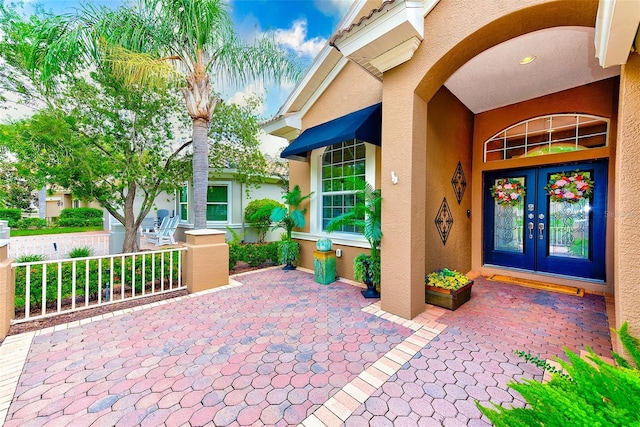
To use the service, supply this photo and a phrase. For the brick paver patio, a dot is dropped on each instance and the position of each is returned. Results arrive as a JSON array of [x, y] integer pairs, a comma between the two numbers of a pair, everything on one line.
[[279, 349]]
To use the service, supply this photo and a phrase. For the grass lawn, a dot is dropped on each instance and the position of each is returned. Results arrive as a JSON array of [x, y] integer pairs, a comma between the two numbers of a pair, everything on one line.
[[61, 230]]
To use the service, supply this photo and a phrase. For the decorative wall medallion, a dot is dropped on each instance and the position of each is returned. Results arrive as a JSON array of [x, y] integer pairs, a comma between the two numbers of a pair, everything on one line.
[[444, 221], [459, 182]]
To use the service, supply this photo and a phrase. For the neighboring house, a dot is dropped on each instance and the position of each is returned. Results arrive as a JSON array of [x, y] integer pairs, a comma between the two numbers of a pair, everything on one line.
[[227, 198], [437, 102], [58, 199]]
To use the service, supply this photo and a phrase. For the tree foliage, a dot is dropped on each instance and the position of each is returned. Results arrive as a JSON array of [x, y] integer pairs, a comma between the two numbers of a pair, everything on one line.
[[16, 191], [159, 44]]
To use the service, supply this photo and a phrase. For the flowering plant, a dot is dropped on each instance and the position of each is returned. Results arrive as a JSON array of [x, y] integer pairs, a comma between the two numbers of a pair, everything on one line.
[[569, 187], [446, 279], [508, 192]]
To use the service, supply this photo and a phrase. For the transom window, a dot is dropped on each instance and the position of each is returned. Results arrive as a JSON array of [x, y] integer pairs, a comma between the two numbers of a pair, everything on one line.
[[342, 160], [218, 203], [559, 133]]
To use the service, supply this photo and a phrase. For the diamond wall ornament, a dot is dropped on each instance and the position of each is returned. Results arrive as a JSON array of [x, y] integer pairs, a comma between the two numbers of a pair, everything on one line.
[[459, 182], [444, 221]]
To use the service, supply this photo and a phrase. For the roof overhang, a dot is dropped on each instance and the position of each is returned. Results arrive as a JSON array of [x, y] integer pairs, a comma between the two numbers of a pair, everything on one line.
[[616, 28], [387, 37], [287, 126]]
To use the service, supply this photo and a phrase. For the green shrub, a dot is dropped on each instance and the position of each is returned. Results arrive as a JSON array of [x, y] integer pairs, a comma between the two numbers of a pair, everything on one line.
[[27, 223], [235, 254], [31, 258], [13, 215], [81, 252], [80, 217], [258, 213], [593, 394], [256, 254]]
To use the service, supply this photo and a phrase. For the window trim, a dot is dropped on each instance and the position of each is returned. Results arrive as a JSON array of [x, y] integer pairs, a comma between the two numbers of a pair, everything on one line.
[[315, 204], [228, 184], [180, 203]]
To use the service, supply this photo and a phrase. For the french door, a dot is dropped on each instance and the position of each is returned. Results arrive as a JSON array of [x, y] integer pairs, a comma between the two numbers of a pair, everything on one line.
[[540, 234]]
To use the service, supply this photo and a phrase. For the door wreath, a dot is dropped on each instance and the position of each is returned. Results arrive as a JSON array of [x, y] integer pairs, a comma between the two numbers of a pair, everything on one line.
[[508, 192], [569, 187]]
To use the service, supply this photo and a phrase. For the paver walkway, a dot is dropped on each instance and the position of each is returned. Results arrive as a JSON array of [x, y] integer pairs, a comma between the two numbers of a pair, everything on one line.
[[282, 350]]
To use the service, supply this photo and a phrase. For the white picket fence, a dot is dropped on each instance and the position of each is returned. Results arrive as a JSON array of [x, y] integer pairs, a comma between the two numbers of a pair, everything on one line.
[[47, 288], [58, 246]]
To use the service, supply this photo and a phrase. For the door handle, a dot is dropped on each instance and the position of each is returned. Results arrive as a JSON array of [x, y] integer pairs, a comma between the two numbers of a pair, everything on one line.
[[531, 226], [541, 228]]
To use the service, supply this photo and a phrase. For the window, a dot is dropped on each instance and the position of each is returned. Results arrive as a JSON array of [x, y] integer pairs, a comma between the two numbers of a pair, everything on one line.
[[183, 198], [218, 203], [559, 133], [339, 161]]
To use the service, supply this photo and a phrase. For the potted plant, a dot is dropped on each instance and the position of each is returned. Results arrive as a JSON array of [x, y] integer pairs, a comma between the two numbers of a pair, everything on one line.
[[447, 288], [288, 218], [365, 216]]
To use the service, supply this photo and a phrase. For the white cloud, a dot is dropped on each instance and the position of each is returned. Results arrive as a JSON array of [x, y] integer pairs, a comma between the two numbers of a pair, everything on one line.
[[335, 8], [296, 38], [255, 88]]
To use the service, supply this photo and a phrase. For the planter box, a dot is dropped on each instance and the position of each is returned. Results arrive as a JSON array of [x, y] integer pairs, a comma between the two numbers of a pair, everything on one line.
[[447, 298]]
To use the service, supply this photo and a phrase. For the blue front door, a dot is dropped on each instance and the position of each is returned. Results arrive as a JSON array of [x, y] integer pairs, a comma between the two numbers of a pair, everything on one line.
[[537, 233]]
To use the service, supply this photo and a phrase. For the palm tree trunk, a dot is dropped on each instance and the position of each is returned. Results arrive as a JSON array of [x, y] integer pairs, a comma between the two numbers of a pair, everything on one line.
[[200, 172]]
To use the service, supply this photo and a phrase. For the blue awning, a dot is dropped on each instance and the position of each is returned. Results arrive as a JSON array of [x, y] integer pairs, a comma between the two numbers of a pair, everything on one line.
[[365, 125]]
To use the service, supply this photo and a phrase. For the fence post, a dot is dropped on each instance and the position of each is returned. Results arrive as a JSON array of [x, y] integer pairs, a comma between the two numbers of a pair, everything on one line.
[[7, 290], [206, 263]]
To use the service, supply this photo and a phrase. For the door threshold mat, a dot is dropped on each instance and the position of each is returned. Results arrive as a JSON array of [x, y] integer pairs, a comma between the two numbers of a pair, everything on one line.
[[551, 287]]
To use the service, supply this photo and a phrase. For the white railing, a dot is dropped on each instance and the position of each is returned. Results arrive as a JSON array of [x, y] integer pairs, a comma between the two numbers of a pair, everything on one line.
[[57, 247], [47, 288]]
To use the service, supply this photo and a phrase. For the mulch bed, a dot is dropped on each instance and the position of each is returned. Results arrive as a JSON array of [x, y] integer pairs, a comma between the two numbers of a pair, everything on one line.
[[83, 314]]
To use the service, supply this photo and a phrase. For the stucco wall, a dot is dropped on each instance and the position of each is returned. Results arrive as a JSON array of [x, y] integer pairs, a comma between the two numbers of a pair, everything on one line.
[[351, 90], [598, 98], [449, 137], [627, 207]]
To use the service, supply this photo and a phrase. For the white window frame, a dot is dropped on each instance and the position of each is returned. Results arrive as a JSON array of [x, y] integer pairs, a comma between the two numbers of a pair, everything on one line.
[[228, 184], [315, 204], [180, 203]]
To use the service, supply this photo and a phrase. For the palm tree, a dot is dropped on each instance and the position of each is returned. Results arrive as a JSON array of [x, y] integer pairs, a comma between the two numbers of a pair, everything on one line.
[[366, 215], [166, 42]]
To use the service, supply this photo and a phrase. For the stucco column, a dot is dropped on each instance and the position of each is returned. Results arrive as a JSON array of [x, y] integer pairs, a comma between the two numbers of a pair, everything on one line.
[[404, 129], [7, 290], [627, 203], [206, 263]]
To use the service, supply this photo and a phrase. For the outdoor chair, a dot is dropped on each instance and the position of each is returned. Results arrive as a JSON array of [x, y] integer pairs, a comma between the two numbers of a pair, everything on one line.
[[164, 235], [162, 214], [148, 225]]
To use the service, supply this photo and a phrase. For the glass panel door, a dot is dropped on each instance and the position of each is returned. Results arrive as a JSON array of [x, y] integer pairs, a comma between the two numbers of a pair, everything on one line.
[[573, 240], [506, 231], [543, 233]]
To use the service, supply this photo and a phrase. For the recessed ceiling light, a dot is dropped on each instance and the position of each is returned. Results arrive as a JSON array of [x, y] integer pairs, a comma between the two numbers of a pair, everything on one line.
[[527, 60]]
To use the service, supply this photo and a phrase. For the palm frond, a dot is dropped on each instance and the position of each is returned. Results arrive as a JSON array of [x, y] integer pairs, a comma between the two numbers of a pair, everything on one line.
[[141, 68], [237, 62]]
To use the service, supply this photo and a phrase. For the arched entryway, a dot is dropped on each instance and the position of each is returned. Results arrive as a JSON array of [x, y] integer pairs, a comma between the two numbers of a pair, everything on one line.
[[409, 103]]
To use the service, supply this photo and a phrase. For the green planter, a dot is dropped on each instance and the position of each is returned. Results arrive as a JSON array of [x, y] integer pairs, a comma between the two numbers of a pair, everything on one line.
[[447, 298]]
